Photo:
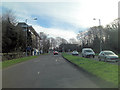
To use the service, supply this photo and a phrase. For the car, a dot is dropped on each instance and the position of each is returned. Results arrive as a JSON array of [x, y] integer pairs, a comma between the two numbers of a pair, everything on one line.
[[88, 52], [107, 55], [55, 52], [75, 53]]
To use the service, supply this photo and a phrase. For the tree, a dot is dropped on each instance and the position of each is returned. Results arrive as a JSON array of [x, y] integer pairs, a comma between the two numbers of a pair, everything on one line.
[[45, 42], [72, 41], [108, 36], [12, 36], [0, 34], [53, 42]]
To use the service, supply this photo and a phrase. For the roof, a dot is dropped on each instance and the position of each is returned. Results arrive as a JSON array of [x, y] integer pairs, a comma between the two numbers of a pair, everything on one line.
[[107, 51], [23, 25], [87, 48], [33, 31]]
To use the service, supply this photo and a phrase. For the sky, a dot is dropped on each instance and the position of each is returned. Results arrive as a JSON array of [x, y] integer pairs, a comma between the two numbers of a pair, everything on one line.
[[63, 18]]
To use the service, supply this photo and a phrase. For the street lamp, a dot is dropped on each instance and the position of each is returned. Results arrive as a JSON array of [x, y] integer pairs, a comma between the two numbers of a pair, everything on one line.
[[99, 21], [27, 33], [100, 33]]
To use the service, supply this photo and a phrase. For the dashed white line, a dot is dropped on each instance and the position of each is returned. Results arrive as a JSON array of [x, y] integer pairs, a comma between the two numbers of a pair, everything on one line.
[[38, 73]]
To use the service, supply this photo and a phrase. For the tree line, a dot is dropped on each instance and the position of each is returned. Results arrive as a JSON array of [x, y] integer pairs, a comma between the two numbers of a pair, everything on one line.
[[13, 37], [106, 36]]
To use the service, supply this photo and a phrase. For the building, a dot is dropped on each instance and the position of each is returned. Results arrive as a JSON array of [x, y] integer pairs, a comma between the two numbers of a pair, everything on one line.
[[32, 39], [35, 38]]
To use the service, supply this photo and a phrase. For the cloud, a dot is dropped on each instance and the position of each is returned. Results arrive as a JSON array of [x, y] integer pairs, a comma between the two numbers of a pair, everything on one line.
[[78, 13], [64, 18], [54, 32]]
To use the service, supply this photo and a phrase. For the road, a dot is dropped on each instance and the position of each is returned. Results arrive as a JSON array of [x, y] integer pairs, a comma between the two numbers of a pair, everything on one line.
[[47, 71]]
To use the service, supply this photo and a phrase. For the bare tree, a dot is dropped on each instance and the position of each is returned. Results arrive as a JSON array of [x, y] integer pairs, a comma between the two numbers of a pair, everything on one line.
[[106, 37], [45, 42], [0, 34], [12, 36], [9, 16], [72, 41], [53, 42]]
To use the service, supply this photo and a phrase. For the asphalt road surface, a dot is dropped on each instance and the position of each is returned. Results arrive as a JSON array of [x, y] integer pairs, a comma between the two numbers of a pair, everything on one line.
[[47, 71]]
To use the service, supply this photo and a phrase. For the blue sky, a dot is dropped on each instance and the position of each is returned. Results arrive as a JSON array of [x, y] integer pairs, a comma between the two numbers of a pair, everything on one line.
[[63, 18]]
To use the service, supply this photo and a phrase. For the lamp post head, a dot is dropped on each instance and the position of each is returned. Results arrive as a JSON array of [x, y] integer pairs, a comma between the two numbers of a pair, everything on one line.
[[35, 19], [94, 18]]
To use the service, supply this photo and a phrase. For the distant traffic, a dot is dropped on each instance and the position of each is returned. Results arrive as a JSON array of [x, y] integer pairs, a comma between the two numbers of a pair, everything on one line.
[[105, 55]]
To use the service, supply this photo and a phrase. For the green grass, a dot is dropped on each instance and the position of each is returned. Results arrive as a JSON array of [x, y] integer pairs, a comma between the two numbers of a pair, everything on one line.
[[44, 54], [15, 61], [103, 70], [119, 55], [96, 54]]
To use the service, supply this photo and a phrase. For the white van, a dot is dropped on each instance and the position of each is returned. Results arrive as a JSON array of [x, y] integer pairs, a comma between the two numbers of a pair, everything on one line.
[[88, 52]]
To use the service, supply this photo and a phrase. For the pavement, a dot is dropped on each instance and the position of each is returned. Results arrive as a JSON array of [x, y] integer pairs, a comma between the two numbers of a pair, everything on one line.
[[48, 71]]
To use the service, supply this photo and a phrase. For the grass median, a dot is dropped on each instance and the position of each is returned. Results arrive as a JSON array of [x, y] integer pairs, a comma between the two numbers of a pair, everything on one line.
[[15, 61], [103, 70], [119, 55]]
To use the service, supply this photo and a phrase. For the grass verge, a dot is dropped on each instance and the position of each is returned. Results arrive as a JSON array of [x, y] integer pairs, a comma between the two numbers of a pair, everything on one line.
[[15, 61], [44, 54], [119, 55], [103, 70]]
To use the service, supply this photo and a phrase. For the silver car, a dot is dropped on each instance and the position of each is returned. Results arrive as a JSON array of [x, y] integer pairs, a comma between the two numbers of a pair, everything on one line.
[[88, 52], [75, 53], [107, 56]]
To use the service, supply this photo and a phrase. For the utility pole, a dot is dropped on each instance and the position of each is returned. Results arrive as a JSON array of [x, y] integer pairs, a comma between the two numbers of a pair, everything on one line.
[[100, 33], [26, 36]]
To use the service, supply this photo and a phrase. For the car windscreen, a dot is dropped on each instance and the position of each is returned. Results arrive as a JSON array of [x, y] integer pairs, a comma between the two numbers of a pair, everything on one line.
[[74, 51], [88, 51], [109, 53]]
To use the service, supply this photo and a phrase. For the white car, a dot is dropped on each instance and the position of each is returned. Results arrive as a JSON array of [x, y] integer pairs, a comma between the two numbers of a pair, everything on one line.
[[107, 56], [88, 52], [75, 53]]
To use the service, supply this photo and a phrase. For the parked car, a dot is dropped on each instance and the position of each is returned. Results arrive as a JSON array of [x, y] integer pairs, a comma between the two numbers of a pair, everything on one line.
[[88, 52], [55, 52], [75, 53], [107, 56]]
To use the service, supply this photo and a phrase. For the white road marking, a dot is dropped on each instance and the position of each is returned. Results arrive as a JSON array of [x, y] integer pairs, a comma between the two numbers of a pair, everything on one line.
[[38, 73], [56, 60]]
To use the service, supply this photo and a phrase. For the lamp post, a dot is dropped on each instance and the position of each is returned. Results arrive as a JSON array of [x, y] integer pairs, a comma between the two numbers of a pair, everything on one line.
[[27, 34], [100, 32]]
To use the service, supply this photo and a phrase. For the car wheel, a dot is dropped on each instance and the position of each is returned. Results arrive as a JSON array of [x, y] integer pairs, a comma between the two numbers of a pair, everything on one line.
[[99, 59], [90, 56], [105, 60]]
